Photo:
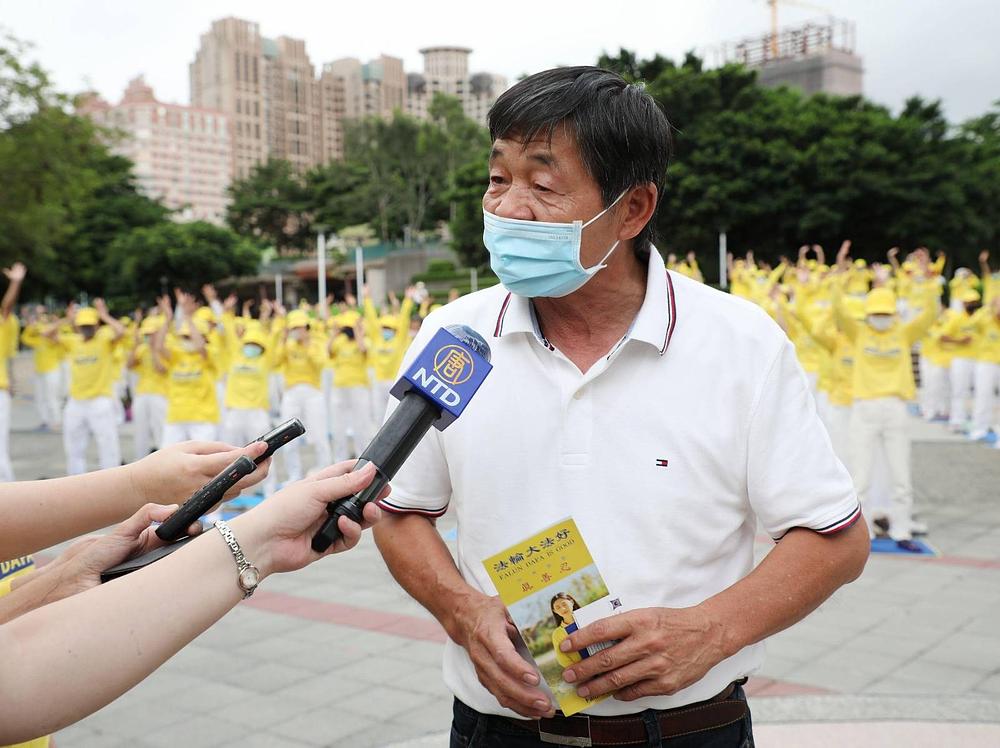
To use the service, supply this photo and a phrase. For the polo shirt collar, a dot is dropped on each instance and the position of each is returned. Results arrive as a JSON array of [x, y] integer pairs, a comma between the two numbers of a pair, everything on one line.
[[654, 324]]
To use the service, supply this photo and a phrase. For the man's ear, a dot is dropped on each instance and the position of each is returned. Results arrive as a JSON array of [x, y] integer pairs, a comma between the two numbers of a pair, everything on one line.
[[639, 204]]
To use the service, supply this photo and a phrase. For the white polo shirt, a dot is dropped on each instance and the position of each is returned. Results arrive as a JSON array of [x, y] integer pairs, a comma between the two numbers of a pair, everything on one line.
[[695, 425]]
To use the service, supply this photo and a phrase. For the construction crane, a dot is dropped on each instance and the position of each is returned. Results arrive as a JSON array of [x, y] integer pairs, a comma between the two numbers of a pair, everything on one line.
[[774, 18]]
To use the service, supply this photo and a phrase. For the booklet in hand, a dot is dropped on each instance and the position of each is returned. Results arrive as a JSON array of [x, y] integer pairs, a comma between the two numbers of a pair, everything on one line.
[[552, 587]]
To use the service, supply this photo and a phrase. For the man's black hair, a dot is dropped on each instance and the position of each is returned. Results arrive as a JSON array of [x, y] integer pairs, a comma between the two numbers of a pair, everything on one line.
[[623, 136]]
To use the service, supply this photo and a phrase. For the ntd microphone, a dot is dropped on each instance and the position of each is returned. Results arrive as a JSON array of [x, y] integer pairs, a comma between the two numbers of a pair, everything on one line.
[[433, 392]]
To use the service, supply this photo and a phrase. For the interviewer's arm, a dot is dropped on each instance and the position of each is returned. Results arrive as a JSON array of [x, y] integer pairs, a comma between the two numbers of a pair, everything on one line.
[[68, 659], [40, 514]]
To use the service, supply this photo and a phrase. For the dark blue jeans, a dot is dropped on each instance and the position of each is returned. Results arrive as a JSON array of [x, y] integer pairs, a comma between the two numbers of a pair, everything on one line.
[[470, 729]]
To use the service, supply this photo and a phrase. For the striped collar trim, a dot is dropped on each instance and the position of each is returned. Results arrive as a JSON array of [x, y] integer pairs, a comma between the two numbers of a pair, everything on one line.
[[654, 324]]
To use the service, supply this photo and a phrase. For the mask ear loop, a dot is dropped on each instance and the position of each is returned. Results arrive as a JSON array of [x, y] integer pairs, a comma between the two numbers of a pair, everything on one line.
[[601, 264]]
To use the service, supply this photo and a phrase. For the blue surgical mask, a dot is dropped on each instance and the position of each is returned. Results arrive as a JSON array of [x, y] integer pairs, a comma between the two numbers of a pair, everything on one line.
[[388, 334], [537, 258], [252, 350]]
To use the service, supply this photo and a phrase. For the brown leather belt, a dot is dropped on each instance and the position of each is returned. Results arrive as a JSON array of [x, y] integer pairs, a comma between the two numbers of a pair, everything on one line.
[[584, 730]]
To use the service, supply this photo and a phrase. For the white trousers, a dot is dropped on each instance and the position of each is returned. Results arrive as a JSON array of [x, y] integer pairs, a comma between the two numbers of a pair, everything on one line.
[[326, 382], [962, 375], [241, 426], [352, 414], [82, 419], [198, 431], [6, 471], [48, 391], [882, 422], [149, 416], [380, 401], [984, 404], [933, 389], [306, 404]]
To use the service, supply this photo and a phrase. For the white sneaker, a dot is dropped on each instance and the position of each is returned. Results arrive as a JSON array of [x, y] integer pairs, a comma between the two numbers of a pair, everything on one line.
[[918, 528], [977, 435]]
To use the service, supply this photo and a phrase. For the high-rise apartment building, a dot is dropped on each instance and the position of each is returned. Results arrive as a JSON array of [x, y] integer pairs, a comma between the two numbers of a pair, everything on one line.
[[446, 70], [182, 154], [267, 86], [291, 109], [227, 75], [280, 109]]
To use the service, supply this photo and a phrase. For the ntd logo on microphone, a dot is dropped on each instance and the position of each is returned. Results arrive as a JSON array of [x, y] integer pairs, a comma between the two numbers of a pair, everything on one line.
[[447, 372]]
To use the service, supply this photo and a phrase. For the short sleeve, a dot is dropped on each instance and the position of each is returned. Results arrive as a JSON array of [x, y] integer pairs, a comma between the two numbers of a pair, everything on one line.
[[423, 484], [794, 479]]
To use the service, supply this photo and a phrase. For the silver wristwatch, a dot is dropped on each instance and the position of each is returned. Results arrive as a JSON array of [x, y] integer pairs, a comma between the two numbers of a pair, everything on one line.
[[249, 576]]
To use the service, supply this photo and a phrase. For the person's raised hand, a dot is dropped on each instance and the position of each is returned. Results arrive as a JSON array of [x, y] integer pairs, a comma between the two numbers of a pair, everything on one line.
[[16, 272], [658, 651], [482, 627], [279, 531], [175, 472], [984, 256]]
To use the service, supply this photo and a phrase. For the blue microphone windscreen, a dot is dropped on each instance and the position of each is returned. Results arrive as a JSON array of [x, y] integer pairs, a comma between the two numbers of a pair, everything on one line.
[[471, 338]]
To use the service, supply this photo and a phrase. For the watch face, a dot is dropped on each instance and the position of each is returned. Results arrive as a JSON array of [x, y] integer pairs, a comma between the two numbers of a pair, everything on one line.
[[249, 578]]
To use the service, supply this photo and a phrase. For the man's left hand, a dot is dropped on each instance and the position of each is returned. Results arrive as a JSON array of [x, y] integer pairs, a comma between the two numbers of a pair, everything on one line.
[[660, 651]]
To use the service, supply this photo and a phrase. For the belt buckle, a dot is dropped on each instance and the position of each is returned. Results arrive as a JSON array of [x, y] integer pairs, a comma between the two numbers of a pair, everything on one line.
[[583, 740]]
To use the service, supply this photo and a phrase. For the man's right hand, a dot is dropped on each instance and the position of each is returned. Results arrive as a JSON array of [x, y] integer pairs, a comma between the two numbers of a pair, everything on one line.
[[482, 628]]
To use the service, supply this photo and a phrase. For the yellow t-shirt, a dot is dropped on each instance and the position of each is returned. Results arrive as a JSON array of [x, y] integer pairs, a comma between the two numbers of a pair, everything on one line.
[[247, 381], [191, 376], [149, 381], [9, 571], [4, 345], [48, 354], [386, 356], [350, 363], [989, 335], [93, 365], [302, 363], [960, 324], [882, 364]]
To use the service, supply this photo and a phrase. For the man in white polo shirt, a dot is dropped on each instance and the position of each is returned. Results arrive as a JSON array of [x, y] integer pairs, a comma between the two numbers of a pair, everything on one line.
[[665, 417]]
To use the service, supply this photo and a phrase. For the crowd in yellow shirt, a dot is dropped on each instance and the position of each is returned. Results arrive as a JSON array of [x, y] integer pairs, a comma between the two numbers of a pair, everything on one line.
[[858, 327]]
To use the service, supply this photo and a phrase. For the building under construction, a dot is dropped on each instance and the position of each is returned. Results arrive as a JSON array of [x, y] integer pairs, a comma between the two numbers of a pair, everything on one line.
[[817, 57]]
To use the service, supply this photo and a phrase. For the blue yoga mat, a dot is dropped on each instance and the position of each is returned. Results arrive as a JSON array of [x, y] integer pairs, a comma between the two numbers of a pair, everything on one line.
[[887, 545]]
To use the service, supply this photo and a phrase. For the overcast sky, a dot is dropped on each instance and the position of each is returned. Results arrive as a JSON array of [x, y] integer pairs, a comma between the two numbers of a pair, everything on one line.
[[948, 49]]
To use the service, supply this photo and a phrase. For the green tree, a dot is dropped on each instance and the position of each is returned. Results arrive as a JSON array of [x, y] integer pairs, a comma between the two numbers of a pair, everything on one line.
[[339, 195], [143, 262], [64, 196], [270, 205]]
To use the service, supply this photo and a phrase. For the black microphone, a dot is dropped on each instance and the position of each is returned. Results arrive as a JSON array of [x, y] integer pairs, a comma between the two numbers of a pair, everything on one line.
[[433, 392], [176, 525]]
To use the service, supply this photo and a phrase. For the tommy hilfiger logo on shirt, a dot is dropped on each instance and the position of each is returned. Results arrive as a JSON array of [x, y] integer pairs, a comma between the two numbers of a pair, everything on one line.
[[662, 463]]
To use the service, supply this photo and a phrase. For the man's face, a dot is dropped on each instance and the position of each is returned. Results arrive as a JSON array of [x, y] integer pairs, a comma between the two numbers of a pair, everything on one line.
[[547, 181], [88, 331]]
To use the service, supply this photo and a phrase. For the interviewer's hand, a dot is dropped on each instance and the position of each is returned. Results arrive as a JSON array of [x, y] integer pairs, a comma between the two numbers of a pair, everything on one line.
[[175, 472], [79, 567], [661, 651], [485, 632], [277, 534]]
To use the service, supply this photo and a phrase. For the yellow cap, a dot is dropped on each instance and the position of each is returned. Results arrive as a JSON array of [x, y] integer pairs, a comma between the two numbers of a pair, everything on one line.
[[297, 318], [86, 316], [256, 337], [387, 320], [150, 325], [348, 318], [969, 296], [880, 301], [860, 263]]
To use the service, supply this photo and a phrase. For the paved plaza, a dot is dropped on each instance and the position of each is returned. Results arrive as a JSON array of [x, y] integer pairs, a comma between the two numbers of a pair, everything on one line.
[[338, 655]]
